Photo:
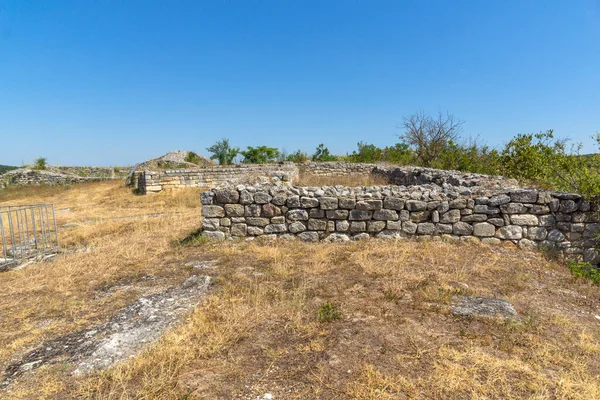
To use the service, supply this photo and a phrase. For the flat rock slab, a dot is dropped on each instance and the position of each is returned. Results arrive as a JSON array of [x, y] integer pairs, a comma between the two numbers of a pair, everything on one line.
[[126, 333], [482, 306]]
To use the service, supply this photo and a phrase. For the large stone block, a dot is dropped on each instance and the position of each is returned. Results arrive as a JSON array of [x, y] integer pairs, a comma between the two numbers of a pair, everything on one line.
[[416, 205], [409, 227], [513, 232], [369, 205], [309, 202], [346, 203], [342, 226], [252, 210], [462, 228], [419, 216], [262, 198], [297, 215], [497, 200], [227, 196], [234, 210], [297, 227], [450, 217], [293, 201], [358, 226], [426, 228], [524, 196], [317, 224], [239, 230], [393, 203], [309, 236], [484, 229], [375, 226], [385, 215], [360, 215], [215, 235], [213, 211], [329, 203], [337, 214], [524, 220], [276, 228], [270, 210], [211, 224], [206, 198]]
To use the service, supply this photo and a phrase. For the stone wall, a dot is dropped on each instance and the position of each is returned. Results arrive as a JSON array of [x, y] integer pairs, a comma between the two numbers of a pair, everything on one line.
[[528, 218], [29, 177], [156, 181]]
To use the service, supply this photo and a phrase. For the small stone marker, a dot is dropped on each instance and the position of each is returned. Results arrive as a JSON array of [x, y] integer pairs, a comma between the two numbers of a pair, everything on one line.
[[482, 306]]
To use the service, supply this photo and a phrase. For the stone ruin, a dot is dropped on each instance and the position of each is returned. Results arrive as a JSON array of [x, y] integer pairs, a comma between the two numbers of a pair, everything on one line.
[[420, 202]]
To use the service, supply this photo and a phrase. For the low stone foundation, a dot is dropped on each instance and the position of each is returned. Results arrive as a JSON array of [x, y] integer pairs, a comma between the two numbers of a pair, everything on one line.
[[526, 217]]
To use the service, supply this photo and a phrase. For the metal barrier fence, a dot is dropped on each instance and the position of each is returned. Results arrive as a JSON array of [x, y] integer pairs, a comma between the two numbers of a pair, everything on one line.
[[26, 232]]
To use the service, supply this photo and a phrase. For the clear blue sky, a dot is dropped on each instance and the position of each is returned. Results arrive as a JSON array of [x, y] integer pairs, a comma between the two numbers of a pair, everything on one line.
[[115, 82]]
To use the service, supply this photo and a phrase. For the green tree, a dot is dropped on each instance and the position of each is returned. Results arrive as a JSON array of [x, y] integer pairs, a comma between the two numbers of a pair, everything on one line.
[[40, 163], [223, 152], [367, 153], [298, 157], [400, 153], [322, 154], [429, 136], [260, 155]]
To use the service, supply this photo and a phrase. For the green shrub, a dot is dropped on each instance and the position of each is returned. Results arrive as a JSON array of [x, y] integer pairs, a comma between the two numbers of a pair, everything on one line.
[[322, 154], [328, 312], [298, 157], [585, 270], [40, 163], [223, 152], [192, 157], [260, 155]]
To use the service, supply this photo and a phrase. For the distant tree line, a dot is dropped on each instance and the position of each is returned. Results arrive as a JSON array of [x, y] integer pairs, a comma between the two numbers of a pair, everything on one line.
[[437, 142]]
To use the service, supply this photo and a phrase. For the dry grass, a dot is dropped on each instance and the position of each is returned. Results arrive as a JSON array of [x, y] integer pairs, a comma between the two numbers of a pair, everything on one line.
[[344, 180], [259, 330]]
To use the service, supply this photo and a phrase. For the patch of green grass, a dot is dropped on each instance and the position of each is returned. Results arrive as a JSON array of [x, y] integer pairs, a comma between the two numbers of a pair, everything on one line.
[[328, 312], [585, 270]]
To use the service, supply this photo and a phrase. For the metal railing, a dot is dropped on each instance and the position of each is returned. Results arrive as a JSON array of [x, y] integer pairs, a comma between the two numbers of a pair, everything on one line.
[[26, 232]]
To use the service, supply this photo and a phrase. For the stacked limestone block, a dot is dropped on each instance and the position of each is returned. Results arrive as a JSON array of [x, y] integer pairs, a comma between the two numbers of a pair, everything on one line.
[[527, 218]]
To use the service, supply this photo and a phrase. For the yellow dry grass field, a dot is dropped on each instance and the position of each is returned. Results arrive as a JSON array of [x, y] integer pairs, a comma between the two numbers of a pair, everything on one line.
[[360, 320]]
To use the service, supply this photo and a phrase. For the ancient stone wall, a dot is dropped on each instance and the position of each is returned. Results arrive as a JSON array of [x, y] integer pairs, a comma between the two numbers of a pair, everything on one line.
[[156, 181], [527, 218], [27, 177]]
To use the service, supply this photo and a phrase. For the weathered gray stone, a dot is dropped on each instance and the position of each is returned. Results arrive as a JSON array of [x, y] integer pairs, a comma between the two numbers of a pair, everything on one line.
[[524, 196], [474, 218], [279, 199], [337, 237], [296, 227], [404, 215], [276, 228], [227, 196], [409, 227], [482, 200], [309, 236], [513, 208], [555, 236], [450, 217], [329, 203], [213, 211], [537, 233], [547, 220], [524, 220], [346, 203], [361, 236], [393, 203], [416, 205], [309, 202], [485, 209], [385, 215], [496, 221], [484, 229], [394, 225], [278, 220], [360, 215], [239, 230], [252, 210], [425, 228], [369, 205], [469, 306], [443, 207], [211, 224], [514, 232], [238, 220], [419, 216], [293, 201], [490, 240], [246, 197], [568, 206], [234, 210], [495, 201], [342, 226], [458, 204], [297, 215], [317, 224], [214, 235], [206, 198], [255, 231], [358, 226], [375, 226], [270, 210], [462, 228], [316, 213], [443, 228], [262, 198], [225, 221], [337, 214]]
